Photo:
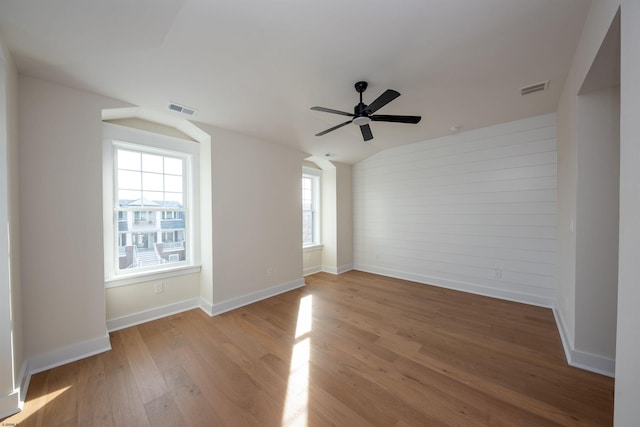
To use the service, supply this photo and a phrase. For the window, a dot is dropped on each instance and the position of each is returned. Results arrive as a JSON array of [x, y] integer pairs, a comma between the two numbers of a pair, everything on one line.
[[170, 215], [150, 192], [310, 207], [139, 217], [146, 183]]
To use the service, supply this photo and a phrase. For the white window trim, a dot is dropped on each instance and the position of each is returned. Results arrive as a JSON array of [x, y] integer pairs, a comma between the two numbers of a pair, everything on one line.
[[116, 135], [316, 174]]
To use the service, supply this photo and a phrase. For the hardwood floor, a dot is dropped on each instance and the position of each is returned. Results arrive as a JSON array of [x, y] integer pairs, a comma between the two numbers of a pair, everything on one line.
[[349, 350]]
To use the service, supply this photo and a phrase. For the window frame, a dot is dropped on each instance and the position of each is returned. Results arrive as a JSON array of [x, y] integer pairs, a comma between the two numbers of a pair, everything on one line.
[[316, 208], [116, 136]]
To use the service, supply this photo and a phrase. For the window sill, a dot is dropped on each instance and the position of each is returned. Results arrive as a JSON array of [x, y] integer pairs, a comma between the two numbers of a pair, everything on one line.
[[311, 248], [147, 276]]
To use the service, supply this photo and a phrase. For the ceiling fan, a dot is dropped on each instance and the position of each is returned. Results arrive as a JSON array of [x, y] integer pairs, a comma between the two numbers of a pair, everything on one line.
[[363, 114]]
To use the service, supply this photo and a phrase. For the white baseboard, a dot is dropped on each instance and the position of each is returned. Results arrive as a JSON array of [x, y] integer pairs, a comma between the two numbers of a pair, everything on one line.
[[24, 378], [206, 306], [582, 359], [326, 269], [153, 314], [10, 404], [312, 270], [538, 300], [233, 303], [338, 270], [345, 268], [14, 402], [68, 354]]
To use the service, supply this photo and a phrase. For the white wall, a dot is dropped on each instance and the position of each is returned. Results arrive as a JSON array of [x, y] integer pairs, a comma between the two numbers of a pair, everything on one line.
[[130, 302], [627, 410], [598, 130], [11, 332], [474, 211], [257, 217], [598, 22], [329, 227], [60, 131], [344, 216], [312, 260], [587, 147], [14, 221], [148, 126]]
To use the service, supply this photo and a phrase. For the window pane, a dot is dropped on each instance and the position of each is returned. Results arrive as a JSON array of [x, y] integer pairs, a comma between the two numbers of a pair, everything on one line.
[[173, 183], [310, 216], [152, 163], [174, 197], [152, 181], [128, 160], [307, 227], [127, 196], [156, 197], [172, 166], [129, 180]]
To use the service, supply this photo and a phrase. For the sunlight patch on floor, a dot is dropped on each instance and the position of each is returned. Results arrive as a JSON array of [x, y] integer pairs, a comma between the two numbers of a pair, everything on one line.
[[305, 314], [297, 399], [35, 406]]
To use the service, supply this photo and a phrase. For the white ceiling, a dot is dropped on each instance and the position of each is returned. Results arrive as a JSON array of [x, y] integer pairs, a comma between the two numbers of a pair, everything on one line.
[[257, 66]]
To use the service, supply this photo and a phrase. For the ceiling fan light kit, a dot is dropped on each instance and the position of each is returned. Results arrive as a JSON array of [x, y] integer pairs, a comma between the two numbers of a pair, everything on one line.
[[363, 114]]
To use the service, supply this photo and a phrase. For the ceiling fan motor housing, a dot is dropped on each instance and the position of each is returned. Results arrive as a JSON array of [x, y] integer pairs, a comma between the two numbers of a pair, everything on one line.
[[361, 120]]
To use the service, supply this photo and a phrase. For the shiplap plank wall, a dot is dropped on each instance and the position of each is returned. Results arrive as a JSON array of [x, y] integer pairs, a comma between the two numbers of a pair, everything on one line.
[[474, 211]]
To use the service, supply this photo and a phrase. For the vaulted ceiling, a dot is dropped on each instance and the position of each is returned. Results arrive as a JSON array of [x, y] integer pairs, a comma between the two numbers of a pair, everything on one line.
[[257, 66]]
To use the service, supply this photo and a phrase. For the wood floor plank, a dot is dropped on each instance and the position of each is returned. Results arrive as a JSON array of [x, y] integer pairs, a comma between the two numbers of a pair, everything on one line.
[[378, 351], [94, 408], [61, 399], [233, 385], [161, 343], [190, 399], [33, 411], [127, 407], [148, 378], [163, 411]]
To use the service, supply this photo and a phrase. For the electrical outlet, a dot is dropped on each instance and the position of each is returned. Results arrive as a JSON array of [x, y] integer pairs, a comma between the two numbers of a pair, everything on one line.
[[498, 273], [269, 271], [158, 287]]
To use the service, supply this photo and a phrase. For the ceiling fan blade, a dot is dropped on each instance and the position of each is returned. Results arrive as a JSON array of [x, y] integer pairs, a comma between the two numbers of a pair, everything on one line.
[[366, 132], [395, 119], [333, 128], [388, 96], [329, 110]]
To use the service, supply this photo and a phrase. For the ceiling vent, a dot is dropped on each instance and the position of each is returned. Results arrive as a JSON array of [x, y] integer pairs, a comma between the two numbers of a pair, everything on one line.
[[187, 111], [536, 87]]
